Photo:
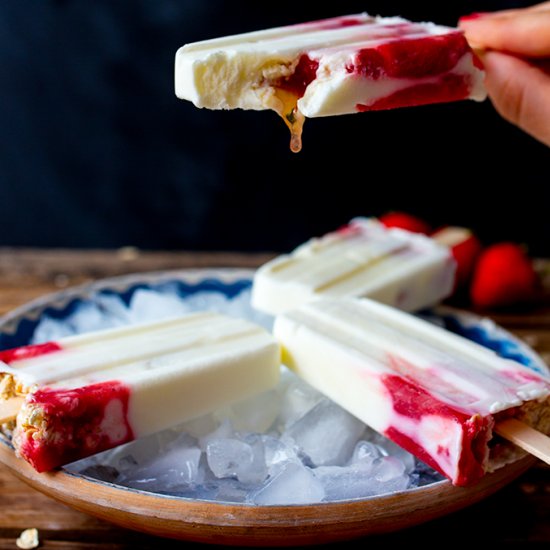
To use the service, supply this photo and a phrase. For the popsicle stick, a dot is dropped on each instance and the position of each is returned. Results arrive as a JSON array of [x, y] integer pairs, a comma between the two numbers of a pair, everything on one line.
[[451, 236], [10, 408], [529, 439]]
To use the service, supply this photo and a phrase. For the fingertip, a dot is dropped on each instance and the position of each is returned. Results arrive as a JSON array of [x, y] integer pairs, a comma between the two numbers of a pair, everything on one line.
[[474, 27]]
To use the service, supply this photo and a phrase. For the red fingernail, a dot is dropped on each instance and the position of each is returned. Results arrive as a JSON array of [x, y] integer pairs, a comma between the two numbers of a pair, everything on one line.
[[473, 16]]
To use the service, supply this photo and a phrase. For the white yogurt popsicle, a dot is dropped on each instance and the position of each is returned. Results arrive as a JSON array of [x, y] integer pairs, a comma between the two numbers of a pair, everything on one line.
[[334, 66], [88, 393], [403, 269], [435, 393]]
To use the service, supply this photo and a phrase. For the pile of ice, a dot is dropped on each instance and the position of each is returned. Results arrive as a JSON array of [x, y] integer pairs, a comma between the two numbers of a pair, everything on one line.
[[108, 310], [290, 445]]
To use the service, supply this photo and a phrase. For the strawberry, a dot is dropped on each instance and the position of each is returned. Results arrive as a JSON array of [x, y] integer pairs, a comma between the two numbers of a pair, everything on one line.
[[504, 275], [464, 246], [405, 221]]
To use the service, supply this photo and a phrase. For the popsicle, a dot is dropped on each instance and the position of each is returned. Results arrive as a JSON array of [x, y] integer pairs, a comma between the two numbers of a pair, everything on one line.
[[364, 258], [334, 66], [88, 393], [437, 394]]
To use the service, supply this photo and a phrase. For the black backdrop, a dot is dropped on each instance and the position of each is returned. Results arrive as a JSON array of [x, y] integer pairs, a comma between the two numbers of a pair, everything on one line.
[[96, 151]]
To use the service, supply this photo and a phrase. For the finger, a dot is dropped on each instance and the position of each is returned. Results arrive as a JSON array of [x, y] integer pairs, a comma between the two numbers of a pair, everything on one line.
[[525, 34], [539, 7], [536, 7], [544, 6], [520, 92]]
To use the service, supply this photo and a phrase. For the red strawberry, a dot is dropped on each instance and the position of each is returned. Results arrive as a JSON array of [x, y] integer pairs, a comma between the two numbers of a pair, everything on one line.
[[465, 247], [504, 275], [405, 221]]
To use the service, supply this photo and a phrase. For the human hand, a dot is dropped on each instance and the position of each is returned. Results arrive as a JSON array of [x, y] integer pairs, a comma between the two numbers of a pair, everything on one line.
[[514, 46]]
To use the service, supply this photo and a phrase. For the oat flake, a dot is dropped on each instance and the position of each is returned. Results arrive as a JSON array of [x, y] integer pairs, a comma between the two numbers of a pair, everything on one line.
[[28, 539]]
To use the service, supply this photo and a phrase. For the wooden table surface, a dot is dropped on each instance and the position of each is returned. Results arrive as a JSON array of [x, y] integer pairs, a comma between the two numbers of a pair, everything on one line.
[[517, 515]]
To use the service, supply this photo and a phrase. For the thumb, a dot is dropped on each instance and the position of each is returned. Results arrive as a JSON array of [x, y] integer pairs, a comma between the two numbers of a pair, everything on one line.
[[520, 92]]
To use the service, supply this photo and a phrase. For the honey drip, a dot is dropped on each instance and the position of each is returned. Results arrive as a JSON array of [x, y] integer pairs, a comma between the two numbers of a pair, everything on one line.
[[296, 127], [288, 109]]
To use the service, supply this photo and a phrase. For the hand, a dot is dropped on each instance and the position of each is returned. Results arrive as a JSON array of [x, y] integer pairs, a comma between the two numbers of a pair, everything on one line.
[[514, 46]]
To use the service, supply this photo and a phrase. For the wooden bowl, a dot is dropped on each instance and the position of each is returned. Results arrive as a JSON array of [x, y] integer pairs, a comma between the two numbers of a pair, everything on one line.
[[250, 525]]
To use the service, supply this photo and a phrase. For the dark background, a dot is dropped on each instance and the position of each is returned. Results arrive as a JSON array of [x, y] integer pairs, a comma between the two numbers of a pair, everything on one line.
[[96, 151]]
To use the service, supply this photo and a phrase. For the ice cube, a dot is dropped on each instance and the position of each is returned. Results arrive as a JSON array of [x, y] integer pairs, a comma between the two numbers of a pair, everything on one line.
[[49, 329], [137, 453], [173, 464], [292, 484], [363, 479], [388, 468], [87, 317], [230, 490], [201, 426], [148, 305], [277, 452], [255, 414], [346, 482], [365, 452], [327, 434], [114, 308], [297, 398], [226, 457], [183, 461], [134, 454], [223, 431], [207, 300], [232, 457], [389, 448]]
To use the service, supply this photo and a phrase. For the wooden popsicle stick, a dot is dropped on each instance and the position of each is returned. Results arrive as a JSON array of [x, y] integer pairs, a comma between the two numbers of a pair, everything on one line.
[[522, 435], [10, 408], [451, 236]]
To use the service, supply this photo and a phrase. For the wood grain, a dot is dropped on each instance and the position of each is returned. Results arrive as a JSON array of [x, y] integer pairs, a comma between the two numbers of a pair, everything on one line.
[[518, 516], [525, 437]]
